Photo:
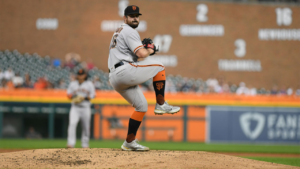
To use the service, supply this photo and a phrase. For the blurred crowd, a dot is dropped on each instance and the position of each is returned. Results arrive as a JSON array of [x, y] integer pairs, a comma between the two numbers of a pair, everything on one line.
[[218, 86], [33, 71]]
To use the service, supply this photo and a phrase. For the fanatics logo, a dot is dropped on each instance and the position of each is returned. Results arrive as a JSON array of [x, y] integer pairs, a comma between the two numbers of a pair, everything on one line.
[[247, 120], [159, 85], [134, 8]]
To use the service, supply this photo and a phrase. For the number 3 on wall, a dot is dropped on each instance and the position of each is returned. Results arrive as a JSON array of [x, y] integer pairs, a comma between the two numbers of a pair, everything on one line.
[[202, 11], [240, 50]]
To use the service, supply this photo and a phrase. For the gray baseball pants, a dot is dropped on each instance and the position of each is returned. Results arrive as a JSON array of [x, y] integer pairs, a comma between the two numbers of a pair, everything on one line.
[[79, 113], [126, 78]]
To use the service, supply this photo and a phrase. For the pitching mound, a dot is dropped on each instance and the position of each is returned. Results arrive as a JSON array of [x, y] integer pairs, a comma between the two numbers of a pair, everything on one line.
[[116, 158]]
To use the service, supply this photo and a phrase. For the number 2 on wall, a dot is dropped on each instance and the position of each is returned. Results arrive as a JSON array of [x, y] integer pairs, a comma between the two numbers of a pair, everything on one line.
[[202, 11]]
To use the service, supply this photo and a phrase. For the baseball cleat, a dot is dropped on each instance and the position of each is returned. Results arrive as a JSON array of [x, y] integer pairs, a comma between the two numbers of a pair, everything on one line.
[[133, 146], [165, 108]]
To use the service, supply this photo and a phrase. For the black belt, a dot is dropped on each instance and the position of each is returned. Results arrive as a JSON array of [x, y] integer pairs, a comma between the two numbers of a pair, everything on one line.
[[117, 65]]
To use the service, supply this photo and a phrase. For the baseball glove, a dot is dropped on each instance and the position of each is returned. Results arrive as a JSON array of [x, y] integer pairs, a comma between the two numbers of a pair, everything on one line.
[[148, 43], [77, 99]]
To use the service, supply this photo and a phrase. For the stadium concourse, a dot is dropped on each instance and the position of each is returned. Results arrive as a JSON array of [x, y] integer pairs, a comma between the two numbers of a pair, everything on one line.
[[33, 71]]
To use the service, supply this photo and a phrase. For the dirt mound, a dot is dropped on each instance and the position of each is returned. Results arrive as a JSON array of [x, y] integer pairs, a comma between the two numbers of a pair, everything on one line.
[[115, 158]]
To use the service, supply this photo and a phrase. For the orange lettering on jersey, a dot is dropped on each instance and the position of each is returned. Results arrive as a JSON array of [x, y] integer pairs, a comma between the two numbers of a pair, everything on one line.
[[159, 85], [82, 90], [119, 30], [134, 8]]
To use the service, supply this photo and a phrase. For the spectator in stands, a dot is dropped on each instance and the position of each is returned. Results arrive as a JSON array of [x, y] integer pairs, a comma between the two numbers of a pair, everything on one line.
[[252, 91], [201, 89], [225, 88], [170, 87], [297, 92], [72, 77], [41, 83], [212, 85], [97, 83], [282, 91], [62, 84], [9, 74], [274, 90], [242, 89], [1, 75], [185, 87], [194, 86], [18, 80], [49, 84], [3, 83], [289, 91], [2, 79], [89, 64], [210, 89], [32, 134], [9, 85], [178, 86], [211, 82], [218, 87], [72, 59], [27, 83]]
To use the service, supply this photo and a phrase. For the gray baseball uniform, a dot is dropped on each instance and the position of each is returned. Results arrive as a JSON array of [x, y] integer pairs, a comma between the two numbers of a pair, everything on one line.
[[126, 78], [80, 111]]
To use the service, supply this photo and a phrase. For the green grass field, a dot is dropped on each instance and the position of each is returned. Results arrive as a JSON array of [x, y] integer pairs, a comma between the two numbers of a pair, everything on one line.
[[245, 148], [248, 148], [286, 161]]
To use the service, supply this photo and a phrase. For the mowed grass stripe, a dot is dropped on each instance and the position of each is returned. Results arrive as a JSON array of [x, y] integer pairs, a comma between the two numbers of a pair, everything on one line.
[[279, 160], [247, 148]]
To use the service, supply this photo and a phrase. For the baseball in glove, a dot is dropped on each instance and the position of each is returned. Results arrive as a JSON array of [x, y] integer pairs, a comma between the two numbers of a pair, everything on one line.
[[77, 99], [148, 43]]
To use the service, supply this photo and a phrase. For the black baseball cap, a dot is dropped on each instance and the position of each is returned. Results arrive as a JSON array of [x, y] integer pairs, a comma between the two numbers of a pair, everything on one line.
[[132, 10], [81, 72]]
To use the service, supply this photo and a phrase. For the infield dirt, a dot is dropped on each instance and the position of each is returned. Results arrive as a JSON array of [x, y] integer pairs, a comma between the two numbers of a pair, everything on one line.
[[115, 158]]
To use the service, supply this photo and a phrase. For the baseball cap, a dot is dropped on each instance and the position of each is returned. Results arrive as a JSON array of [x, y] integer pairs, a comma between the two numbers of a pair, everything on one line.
[[132, 10], [81, 72]]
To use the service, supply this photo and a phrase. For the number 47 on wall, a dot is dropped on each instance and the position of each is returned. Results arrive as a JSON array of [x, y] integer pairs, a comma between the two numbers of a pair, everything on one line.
[[163, 41]]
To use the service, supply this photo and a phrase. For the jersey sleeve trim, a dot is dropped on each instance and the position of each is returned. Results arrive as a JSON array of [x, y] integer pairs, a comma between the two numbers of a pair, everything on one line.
[[137, 48]]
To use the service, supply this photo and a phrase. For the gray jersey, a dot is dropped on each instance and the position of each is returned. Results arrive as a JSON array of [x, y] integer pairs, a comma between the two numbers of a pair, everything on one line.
[[124, 43], [85, 89]]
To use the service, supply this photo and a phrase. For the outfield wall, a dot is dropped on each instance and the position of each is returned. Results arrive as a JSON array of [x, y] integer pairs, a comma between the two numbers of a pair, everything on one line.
[[203, 117], [254, 43], [253, 124]]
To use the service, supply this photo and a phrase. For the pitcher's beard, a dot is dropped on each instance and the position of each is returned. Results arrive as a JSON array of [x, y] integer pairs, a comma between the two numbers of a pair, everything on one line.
[[133, 25]]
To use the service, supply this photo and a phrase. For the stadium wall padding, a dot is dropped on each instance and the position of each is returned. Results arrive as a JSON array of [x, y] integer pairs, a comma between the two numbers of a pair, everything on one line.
[[230, 34]]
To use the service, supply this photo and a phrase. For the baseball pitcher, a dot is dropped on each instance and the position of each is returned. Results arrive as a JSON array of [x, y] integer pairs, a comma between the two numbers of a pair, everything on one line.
[[81, 91], [129, 66]]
